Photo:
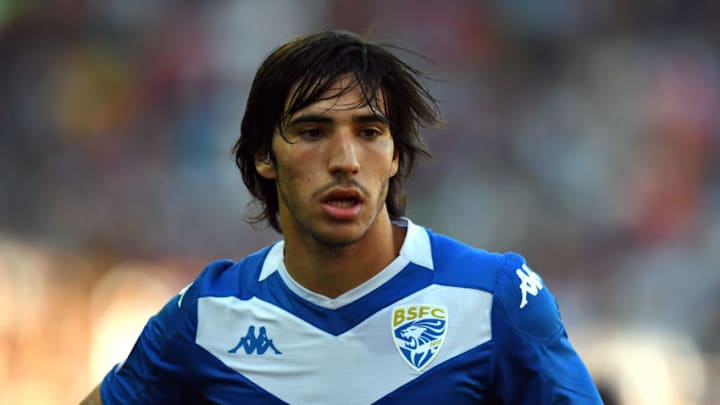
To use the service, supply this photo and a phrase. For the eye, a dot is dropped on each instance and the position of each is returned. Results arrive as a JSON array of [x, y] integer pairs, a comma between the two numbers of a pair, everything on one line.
[[310, 133], [370, 133]]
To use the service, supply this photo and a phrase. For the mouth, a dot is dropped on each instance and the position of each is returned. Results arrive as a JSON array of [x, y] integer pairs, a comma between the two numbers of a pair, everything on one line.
[[342, 204]]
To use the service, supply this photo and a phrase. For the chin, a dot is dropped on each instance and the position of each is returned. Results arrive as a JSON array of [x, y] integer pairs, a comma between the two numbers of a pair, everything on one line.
[[339, 238]]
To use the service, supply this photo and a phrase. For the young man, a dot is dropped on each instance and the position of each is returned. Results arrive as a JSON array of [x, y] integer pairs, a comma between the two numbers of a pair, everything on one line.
[[356, 304]]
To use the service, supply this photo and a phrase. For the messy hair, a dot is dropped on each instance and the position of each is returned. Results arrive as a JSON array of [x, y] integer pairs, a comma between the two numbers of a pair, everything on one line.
[[298, 73]]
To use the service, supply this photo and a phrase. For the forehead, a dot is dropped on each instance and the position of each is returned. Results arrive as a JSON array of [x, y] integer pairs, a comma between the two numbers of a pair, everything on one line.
[[344, 94]]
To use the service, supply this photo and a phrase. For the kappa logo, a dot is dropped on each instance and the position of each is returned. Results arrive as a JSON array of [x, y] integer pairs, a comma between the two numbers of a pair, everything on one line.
[[258, 344], [419, 332], [182, 294], [530, 283]]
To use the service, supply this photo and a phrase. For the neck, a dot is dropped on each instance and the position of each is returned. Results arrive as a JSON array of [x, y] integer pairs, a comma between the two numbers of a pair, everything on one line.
[[333, 270]]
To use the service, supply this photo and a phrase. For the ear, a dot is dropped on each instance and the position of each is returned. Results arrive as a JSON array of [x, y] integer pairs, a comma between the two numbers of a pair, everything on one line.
[[264, 165], [395, 164]]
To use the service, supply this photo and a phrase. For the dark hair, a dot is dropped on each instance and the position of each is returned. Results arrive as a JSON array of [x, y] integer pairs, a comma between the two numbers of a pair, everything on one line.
[[299, 72]]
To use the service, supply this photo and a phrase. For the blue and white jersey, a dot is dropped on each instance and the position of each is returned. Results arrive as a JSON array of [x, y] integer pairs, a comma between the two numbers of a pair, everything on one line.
[[442, 323]]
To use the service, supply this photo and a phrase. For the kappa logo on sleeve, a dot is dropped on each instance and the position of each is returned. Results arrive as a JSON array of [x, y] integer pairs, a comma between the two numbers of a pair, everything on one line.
[[530, 283], [182, 294], [419, 332]]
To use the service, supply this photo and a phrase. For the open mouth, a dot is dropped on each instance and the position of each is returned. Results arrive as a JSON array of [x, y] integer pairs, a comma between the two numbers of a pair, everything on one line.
[[342, 204], [346, 202]]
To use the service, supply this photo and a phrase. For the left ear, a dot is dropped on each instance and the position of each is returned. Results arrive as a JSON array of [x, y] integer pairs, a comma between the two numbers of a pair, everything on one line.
[[395, 164], [264, 165]]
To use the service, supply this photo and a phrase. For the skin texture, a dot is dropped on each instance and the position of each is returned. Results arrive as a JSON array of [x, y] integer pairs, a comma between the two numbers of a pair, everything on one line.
[[335, 149]]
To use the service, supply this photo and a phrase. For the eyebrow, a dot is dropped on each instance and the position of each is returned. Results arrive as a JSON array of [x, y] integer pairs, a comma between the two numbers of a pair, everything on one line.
[[323, 119]]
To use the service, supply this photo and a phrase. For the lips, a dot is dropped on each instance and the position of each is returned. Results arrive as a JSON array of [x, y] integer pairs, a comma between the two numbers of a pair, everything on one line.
[[342, 204]]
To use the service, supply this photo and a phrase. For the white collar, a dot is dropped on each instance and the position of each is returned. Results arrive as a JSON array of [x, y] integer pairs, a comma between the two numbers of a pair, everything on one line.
[[416, 248]]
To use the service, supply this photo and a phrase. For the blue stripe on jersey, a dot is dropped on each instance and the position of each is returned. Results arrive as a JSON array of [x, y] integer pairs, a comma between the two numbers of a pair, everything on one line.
[[241, 280], [465, 380], [411, 279], [221, 382]]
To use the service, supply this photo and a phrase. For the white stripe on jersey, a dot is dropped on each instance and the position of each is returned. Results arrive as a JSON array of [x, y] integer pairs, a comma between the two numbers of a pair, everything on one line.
[[359, 366]]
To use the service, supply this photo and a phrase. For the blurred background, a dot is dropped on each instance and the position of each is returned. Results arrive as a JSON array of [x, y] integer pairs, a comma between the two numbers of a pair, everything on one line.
[[584, 135]]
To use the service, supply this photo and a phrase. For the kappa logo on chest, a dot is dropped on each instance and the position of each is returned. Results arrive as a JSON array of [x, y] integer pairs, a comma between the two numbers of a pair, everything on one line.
[[419, 332]]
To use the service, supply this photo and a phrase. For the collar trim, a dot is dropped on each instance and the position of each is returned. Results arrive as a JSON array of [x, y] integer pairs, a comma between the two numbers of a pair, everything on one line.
[[416, 249]]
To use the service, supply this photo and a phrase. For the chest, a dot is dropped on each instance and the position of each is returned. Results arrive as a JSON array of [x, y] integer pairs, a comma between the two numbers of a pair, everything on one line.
[[434, 344]]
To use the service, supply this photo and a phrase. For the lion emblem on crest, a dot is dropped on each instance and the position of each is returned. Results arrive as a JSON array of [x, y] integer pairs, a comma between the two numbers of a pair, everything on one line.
[[419, 340]]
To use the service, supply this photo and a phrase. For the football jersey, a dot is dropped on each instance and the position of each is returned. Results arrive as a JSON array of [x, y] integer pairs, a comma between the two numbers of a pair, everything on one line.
[[442, 323]]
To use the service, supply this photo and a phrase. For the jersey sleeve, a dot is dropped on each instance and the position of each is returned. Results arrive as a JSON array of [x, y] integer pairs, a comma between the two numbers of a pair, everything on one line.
[[155, 371], [534, 362]]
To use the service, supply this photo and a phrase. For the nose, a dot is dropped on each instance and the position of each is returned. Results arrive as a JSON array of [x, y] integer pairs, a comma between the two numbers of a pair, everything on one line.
[[343, 154]]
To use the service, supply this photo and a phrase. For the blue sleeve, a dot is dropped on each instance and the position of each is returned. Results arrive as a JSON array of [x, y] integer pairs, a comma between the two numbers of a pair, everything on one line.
[[533, 359], [156, 371]]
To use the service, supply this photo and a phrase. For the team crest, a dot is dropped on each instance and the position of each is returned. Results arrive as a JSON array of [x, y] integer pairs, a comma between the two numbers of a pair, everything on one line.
[[419, 332]]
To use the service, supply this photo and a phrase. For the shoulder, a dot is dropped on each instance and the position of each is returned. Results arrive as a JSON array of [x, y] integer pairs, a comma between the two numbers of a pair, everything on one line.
[[176, 322], [519, 294], [524, 301], [226, 278], [459, 264]]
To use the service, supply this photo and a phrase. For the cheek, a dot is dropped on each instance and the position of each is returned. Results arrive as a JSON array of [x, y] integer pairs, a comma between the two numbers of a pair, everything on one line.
[[295, 176]]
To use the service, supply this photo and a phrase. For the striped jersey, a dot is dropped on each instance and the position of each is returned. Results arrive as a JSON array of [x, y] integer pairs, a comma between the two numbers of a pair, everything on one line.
[[442, 323]]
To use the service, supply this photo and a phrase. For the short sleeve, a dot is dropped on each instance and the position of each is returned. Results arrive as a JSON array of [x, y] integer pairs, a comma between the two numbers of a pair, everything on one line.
[[154, 372], [534, 362]]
